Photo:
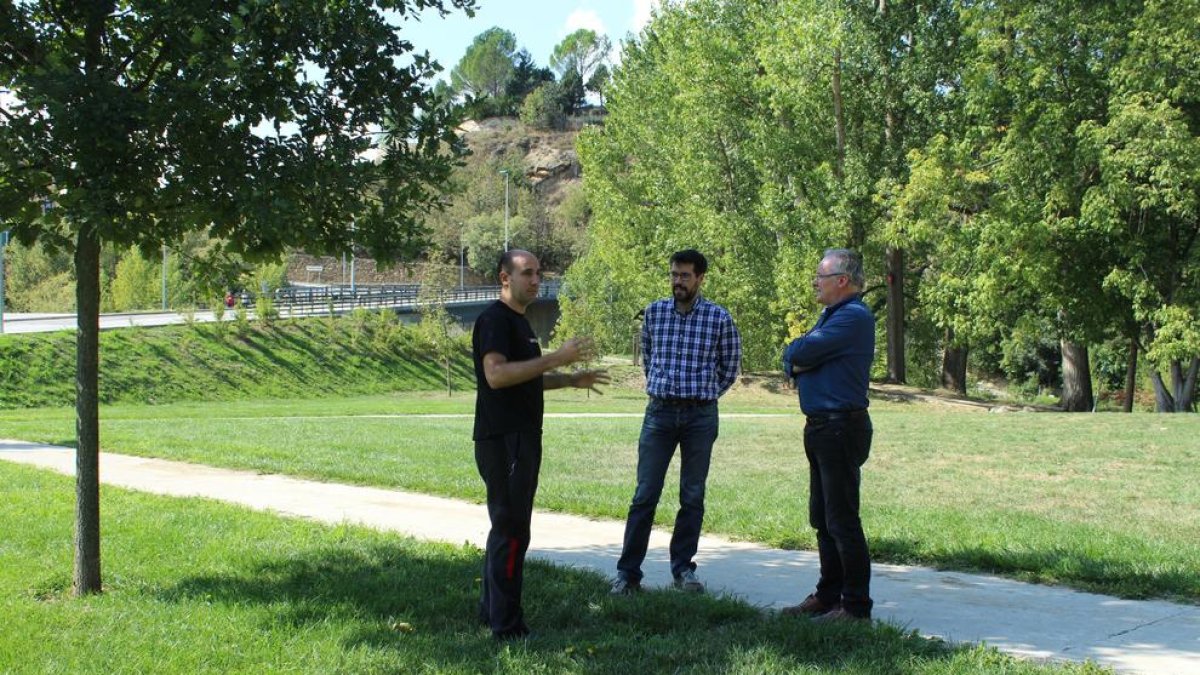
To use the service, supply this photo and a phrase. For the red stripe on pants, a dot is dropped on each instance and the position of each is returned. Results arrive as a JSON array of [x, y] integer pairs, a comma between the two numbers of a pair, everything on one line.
[[510, 568]]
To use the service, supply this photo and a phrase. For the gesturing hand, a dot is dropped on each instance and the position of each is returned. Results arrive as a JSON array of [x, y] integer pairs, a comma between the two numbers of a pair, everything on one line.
[[588, 379], [578, 349]]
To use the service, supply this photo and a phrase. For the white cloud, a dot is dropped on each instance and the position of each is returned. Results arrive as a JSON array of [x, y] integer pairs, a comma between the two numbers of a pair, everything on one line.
[[585, 18], [641, 15]]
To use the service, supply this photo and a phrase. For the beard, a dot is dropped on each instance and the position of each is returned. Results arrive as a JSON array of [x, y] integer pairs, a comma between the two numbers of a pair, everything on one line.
[[683, 294]]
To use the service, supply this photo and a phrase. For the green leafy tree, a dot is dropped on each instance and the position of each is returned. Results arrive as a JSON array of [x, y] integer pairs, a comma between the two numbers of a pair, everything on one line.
[[486, 67], [38, 280], [438, 329], [1038, 71], [858, 86], [582, 52], [543, 108], [136, 284], [677, 166], [141, 122], [761, 133], [1147, 200], [570, 92], [526, 76], [599, 81]]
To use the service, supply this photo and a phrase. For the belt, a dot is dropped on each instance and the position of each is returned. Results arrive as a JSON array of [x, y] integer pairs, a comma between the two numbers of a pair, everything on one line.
[[835, 415], [683, 402]]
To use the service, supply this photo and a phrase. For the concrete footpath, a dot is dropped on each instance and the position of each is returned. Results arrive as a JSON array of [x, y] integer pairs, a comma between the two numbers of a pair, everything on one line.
[[1026, 620]]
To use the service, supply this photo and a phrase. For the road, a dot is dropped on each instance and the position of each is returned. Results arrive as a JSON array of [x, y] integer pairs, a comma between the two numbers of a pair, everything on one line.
[[43, 323]]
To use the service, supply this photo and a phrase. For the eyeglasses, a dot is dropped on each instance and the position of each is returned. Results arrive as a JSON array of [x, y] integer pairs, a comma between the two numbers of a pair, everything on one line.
[[831, 274]]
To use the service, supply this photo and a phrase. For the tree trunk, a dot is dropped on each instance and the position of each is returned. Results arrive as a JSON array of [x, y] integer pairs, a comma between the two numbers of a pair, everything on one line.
[[1131, 374], [87, 414], [954, 365], [896, 370], [1163, 401], [1077, 378], [1184, 385], [839, 118]]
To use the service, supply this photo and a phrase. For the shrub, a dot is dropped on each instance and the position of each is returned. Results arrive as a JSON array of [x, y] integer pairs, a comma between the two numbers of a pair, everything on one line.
[[543, 108]]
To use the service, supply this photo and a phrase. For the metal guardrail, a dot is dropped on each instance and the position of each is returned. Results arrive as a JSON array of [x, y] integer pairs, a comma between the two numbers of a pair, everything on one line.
[[316, 299]]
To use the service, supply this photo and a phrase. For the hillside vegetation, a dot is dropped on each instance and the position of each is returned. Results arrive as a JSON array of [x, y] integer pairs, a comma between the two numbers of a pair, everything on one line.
[[303, 358]]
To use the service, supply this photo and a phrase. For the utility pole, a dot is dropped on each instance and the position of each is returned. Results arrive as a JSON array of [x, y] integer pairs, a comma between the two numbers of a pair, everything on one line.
[[164, 277], [505, 173], [353, 287], [3, 245]]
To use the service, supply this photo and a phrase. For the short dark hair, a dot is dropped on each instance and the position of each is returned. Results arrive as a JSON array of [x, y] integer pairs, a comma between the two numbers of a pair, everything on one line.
[[505, 263], [691, 257]]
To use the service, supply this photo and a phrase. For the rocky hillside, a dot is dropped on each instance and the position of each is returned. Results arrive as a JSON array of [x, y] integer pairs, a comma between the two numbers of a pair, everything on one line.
[[550, 164]]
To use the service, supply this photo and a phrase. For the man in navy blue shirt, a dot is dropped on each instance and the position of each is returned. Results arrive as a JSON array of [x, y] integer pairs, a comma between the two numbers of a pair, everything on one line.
[[692, 353], [831, 364], [510, 375]]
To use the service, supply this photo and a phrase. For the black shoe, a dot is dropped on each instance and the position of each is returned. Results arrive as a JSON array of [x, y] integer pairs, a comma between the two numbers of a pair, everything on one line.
[[521, 632]]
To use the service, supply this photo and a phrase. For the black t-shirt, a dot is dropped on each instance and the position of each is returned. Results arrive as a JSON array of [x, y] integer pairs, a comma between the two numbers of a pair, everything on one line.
[[515, 408]]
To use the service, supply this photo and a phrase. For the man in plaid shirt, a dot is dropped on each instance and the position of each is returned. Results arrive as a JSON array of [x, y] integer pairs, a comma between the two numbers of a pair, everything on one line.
[[691, 355]]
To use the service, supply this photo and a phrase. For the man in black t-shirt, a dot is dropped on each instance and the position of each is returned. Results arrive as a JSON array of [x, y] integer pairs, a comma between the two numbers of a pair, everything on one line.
[[510, 375]]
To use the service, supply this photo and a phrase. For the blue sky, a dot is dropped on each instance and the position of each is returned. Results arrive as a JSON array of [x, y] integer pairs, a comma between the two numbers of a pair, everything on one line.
[[537, 24]]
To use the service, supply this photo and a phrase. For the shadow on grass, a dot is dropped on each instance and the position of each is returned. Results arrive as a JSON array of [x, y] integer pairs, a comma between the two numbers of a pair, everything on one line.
[[1131, 578], [395, 598]]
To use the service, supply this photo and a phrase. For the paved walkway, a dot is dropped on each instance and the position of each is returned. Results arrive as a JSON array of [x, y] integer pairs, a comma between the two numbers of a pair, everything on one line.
[[1022, 619]]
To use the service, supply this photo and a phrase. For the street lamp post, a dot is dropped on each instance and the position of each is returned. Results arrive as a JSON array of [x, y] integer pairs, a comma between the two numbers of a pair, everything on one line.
[[3, 244], [164, 277], [461, 260], [505, 173], [353, 286]]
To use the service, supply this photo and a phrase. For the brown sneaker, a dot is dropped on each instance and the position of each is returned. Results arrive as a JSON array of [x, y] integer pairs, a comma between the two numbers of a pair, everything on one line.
[[810, 606], [839, 615]]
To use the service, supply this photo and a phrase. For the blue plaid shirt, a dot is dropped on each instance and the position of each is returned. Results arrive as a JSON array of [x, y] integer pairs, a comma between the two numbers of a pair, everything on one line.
[[695, 355]]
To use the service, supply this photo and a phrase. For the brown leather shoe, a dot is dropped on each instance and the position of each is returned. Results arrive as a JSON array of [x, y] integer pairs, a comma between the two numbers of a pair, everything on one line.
[[810, 606], [839, 615]]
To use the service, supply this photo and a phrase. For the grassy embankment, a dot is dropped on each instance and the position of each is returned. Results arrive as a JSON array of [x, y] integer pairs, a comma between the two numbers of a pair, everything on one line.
[[361, 353]]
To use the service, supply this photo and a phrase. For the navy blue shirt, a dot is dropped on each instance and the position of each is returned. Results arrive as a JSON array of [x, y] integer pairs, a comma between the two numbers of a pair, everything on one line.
[[834, 358], [695, 355]]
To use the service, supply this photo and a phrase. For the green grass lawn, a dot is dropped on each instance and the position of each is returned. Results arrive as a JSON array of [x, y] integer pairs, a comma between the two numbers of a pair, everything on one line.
[[1105, 502], [195, 586]]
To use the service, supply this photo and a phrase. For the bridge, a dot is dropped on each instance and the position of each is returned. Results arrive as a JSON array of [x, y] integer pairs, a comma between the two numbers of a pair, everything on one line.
[[465, 304], [404, 298]]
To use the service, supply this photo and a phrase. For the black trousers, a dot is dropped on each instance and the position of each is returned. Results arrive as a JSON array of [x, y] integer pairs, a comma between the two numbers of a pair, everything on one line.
[[836, 448], [509, 466]]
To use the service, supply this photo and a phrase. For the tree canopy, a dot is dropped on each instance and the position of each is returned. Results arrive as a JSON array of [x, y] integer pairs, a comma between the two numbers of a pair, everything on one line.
[[487, 66], [1021, 177], [582, 51], [268, 125]]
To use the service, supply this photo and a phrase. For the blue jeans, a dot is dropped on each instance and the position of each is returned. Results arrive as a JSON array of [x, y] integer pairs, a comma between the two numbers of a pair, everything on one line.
[[693, 429], [836, 450]]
